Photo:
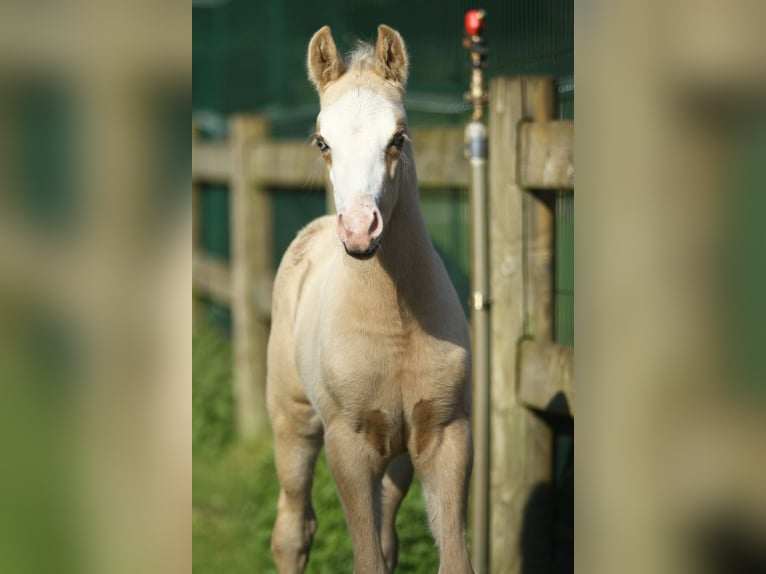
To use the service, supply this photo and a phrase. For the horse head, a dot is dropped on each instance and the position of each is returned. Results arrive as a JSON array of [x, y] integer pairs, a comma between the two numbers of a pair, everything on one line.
[[362, 132]]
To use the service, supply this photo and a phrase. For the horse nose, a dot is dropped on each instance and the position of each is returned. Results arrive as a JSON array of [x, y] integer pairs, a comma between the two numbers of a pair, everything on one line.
[[376, 227], [358, 229]]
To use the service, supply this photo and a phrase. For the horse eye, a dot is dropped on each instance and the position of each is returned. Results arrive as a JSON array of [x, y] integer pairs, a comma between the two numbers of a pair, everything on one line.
[[398, 141], [323, 147]]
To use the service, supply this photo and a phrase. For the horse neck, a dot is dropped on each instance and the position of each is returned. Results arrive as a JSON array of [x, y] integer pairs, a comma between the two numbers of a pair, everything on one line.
[[406, 249], [404, 261]]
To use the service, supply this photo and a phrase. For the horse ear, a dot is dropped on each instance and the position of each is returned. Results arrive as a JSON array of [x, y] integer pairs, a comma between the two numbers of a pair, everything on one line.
[[391, 60], [324, 63]]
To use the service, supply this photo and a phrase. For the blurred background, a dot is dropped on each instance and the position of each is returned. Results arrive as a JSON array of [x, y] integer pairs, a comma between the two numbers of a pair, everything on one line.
[[670, 117], [95, 228], [249, 66]]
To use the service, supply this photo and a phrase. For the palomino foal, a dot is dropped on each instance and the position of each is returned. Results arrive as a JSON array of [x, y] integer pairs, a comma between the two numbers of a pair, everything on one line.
[[369, 349]]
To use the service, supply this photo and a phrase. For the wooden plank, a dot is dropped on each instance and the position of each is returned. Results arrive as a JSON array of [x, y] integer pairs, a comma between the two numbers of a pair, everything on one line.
[[538, 220], [211, 277], [296, 163], [521, 444], [440, 157], [538, 266], [547, 155], [547, 377], [538, 98], [288, 163], [251, 235], [535, 435], [211, 162], [506, 288], [263, 290]]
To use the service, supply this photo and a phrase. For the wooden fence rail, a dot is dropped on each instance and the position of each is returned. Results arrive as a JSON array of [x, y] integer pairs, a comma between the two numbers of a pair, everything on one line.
[[530, 373]]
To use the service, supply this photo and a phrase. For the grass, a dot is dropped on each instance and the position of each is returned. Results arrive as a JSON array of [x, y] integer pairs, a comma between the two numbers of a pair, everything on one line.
[[235, 489]]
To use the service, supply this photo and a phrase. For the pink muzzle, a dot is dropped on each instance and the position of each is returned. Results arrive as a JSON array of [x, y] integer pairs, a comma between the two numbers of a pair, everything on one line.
[[360, 229]]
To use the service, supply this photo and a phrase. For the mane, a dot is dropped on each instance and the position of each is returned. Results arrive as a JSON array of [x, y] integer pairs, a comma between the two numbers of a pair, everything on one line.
[[362, 57]]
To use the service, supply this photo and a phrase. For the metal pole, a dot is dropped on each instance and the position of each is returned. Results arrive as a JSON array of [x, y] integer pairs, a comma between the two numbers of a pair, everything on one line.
[[477, 153]]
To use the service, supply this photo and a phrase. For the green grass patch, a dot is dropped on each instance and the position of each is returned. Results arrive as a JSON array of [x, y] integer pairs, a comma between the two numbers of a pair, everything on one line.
[[212, 392]]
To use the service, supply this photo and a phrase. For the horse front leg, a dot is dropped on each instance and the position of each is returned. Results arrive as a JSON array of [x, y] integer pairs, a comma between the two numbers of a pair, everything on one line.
[[396, 483], [444, 465], [358, 470], [296, 449]]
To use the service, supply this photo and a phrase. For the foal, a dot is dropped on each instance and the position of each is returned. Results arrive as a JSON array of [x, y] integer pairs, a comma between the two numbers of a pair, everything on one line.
[[369, 349]]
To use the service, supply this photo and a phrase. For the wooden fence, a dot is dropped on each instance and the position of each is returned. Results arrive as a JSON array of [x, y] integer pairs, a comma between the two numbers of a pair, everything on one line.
[[530, 373]]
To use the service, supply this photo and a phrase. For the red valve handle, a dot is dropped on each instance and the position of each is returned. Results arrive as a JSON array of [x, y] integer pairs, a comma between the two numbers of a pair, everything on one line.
[[474, 22]]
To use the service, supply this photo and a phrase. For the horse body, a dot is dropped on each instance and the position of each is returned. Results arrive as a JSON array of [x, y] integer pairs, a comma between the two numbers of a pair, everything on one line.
[[369, 351]]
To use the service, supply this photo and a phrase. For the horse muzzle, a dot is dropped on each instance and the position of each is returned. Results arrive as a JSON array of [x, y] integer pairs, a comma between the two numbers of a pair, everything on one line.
[[360, 230]]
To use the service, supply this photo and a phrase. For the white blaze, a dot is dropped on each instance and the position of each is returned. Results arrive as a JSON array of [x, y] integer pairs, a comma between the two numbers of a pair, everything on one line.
[[358, 127]]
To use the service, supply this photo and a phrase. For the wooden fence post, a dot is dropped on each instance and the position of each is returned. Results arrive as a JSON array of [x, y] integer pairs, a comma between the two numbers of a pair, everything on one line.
[[538, 105], [521, 442], [251, 237]]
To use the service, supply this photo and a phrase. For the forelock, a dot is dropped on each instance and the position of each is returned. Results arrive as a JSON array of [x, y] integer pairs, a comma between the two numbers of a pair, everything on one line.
[[362, 57]]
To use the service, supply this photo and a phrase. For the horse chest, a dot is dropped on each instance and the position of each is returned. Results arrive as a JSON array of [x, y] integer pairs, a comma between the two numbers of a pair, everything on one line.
[[361, 349], [374, 352], [363, 365]]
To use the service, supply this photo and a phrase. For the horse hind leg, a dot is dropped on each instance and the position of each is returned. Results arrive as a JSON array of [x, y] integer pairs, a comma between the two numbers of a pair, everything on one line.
[[296, 455], [396, 482]]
